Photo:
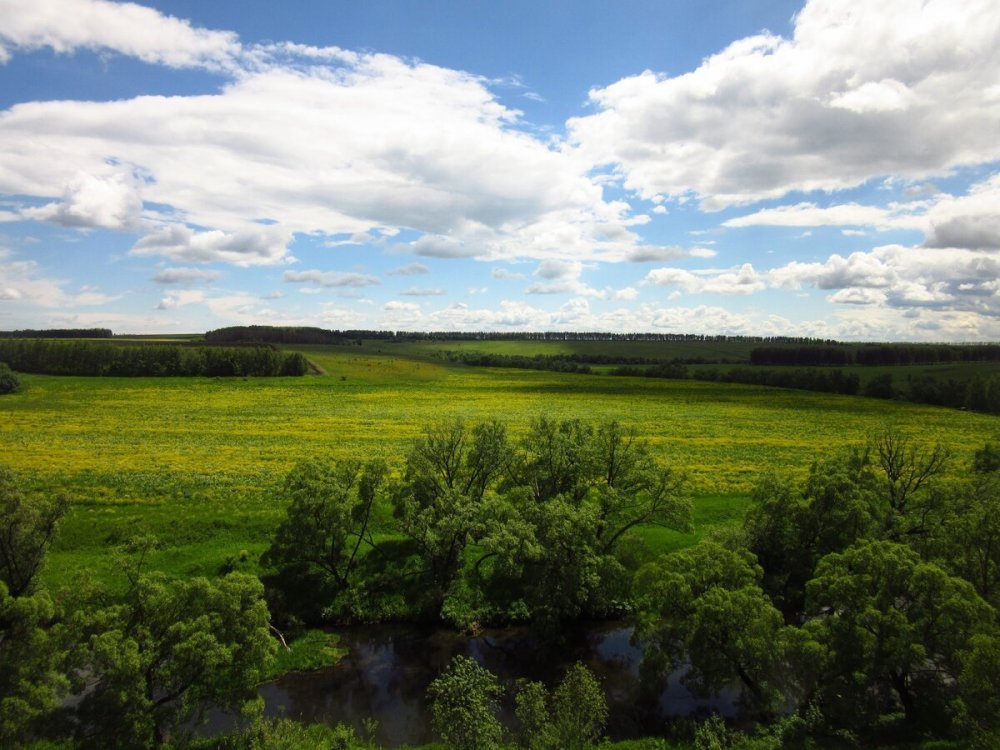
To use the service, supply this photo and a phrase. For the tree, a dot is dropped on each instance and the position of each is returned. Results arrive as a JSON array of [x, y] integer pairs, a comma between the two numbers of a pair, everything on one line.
[[893, 627], [32, 643], [575, 491], [606, 467], [326, 529], [463, 705], [703, 607], [909, 504], [32, 664], [790, 528], [28, 528], [572, 716], [166, 651], [9, 382], [443, 502]]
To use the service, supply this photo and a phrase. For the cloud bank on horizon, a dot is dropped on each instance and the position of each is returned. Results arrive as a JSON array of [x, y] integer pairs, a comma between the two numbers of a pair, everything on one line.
[[840, 181]]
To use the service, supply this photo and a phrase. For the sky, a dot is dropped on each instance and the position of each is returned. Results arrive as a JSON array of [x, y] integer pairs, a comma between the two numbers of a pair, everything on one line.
[[742, 167]]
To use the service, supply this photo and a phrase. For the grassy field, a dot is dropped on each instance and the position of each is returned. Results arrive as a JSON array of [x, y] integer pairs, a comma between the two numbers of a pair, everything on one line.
[[199, 462], [660, 350]]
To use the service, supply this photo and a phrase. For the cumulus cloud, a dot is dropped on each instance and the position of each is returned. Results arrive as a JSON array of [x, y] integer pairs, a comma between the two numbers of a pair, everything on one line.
[[186, 276], [256, 245], [896, 276], [558, 269], [22, 281], [851, 214], [414, 291], [89, 202], [331, 278], [411, 269], [434, 246], [743, 280], [900, 87], [181, 298], [654, 253], [335, 144], [505, 274], [134, 30]]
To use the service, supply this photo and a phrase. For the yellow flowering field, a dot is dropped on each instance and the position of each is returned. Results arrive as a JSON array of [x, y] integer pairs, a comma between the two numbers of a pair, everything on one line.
[[201, 460]]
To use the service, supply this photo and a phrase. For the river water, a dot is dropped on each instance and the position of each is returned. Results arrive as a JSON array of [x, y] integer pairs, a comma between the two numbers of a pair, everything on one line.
[[388, 668]]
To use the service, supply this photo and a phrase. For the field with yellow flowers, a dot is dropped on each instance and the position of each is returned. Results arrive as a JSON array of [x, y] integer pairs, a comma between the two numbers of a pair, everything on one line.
[[199, 462]]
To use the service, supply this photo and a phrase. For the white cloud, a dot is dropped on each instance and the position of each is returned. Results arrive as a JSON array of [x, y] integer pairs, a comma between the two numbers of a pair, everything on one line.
[[22, 282], [185, 276], [397, 306], [255, 245], [411, 269], [435, 246], [628, 293], [850, 214], [558, 269], [744, 280], [651, 253], [181, 298], [504, 274], [423, 292], [331, 278], [107, 202], [315, 140], [900, 87], [702, 252], [952, 279], [67, 25]]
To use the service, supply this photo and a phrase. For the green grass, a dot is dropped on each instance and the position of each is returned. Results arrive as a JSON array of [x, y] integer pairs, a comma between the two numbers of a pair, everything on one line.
[[314, 649], [199, 462]]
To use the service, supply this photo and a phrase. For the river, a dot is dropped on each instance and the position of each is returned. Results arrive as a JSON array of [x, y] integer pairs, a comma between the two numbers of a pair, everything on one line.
[[388, 668]]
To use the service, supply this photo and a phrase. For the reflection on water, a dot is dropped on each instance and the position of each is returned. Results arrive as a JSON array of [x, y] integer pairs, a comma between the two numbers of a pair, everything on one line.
[[387, 671]]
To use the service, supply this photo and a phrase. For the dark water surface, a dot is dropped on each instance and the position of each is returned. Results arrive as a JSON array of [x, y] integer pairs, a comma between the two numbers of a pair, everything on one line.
[[388, 668]]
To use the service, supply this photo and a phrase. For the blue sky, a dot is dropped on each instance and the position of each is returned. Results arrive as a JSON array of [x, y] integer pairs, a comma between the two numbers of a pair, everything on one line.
[[825, 169]]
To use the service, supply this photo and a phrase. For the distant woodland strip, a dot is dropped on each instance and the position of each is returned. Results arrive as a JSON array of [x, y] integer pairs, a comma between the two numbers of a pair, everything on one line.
[[310, 335], [58, 333], [97, 358], [874, 354]]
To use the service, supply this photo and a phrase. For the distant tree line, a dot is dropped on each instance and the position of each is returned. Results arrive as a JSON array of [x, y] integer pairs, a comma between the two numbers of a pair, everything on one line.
[[822, 380], [312, 335], [278, 335], [94, 358], [556, 363], [58, 333], [978, 393], [874, 354]]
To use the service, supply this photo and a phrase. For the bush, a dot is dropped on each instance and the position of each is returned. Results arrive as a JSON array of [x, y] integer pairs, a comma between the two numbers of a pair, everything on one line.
[[9, 382]]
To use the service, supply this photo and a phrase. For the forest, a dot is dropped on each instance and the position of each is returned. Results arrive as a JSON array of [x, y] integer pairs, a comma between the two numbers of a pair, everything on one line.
[[94, 358], [854, 607]]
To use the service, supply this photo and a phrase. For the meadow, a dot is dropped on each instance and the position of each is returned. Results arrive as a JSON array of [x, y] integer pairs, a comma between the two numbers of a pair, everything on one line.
[[199, 462]]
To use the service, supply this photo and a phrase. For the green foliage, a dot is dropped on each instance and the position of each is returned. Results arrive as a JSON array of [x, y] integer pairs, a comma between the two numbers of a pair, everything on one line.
[[442, 502], [790, 528], [987, 459], [32, 655], [166, 651], [463, 706], [285, 734], [29, 525], [9, 381], [703, 607], [893, 629], [326, 529], [967, 539], [313, 649], [572, 716], [90, 358]]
